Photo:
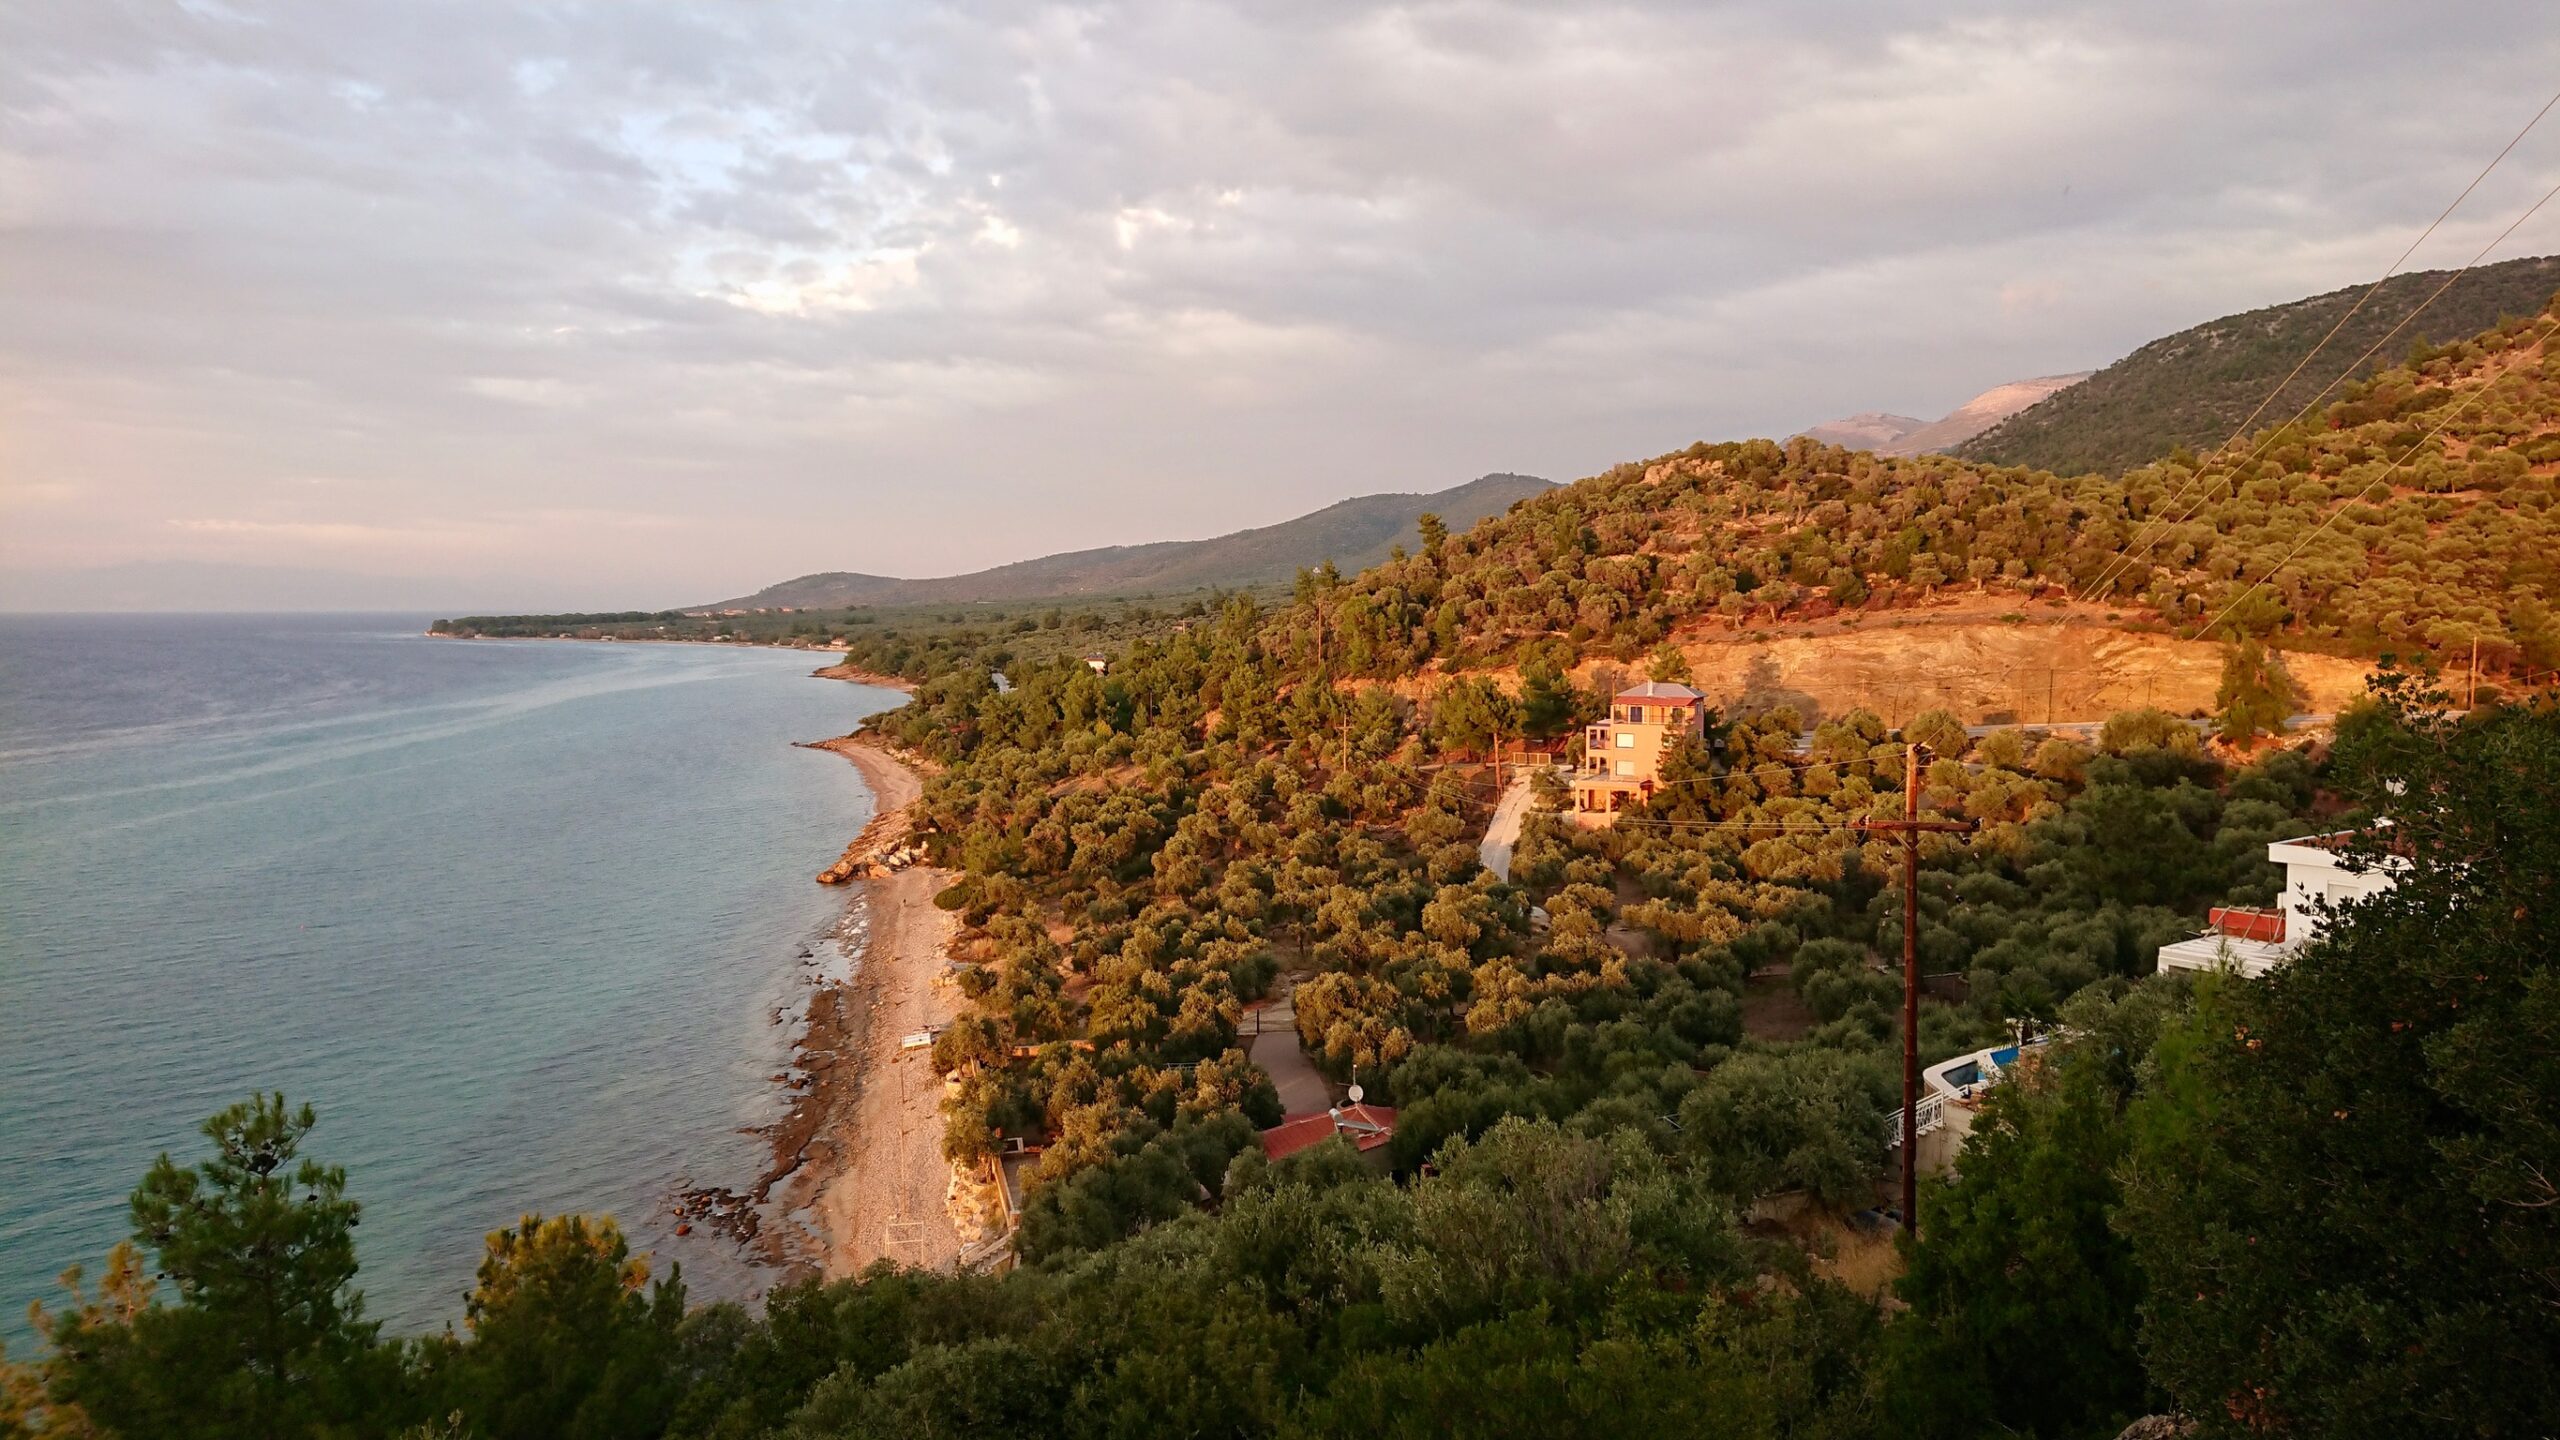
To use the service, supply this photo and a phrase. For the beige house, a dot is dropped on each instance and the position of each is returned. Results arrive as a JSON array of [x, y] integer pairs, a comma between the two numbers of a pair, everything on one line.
[[1622, 755]]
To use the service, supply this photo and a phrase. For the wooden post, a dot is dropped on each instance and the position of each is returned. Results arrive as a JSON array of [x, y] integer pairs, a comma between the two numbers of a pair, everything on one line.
[[1910, 827], [1911, 988], [2471, 697]]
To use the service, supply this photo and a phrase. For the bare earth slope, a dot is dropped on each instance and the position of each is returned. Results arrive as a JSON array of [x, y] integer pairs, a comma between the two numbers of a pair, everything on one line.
[[2064, 665]]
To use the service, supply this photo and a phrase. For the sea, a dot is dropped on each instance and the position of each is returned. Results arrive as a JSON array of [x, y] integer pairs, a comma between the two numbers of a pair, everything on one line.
[[523, 920]]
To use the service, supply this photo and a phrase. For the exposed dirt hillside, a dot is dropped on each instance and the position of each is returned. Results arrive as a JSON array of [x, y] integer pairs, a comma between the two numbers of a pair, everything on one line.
[[2060, 664], [1986, 671]]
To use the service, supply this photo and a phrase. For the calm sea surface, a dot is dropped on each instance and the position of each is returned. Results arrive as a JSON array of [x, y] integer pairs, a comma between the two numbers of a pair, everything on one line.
[[515, 916]]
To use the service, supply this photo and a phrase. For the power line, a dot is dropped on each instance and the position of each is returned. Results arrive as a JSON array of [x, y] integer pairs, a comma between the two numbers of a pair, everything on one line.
[[1792, 826], [2116, 567], [2268, 442], [2331, 518], [1777, 766]]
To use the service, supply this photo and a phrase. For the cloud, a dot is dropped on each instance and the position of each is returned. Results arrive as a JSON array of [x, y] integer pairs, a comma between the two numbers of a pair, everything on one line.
[[914, 288]]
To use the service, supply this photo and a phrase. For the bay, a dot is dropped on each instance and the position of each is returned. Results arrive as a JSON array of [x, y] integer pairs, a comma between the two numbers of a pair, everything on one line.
[[516, 917]]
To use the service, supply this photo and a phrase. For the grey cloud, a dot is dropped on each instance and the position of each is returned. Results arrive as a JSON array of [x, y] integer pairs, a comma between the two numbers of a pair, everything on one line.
[[919, 288]]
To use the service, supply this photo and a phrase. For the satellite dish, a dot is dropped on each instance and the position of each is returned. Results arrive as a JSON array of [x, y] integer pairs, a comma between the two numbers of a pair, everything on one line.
[[1356, 1094]]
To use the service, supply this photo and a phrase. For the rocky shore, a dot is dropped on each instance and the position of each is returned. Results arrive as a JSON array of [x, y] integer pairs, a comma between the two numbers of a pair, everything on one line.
[[886, 845], [857, 1160]]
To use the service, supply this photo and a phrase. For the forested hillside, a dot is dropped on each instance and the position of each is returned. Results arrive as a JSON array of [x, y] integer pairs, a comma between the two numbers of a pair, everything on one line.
[[2194, 388], [2414, 514], [2349, 1151]]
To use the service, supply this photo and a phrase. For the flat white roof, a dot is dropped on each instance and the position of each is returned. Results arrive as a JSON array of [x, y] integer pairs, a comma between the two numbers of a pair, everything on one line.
[[2217, 951]]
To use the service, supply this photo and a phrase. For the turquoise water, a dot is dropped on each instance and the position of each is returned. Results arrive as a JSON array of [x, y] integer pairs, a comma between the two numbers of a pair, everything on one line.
[[517, 917]]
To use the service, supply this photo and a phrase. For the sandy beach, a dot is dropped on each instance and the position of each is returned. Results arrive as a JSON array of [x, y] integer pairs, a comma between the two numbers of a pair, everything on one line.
[[862, 1151]]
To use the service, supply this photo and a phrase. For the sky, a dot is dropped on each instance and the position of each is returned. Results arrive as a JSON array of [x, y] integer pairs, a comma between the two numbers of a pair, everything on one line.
[[498, 305]]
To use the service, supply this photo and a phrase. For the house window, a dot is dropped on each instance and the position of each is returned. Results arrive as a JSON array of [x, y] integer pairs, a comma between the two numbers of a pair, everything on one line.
[[1635, 714], [1626, 767], [1626, 740]]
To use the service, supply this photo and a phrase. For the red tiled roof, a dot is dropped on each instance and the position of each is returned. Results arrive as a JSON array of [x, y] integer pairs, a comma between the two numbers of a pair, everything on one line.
[[1366, 1126]]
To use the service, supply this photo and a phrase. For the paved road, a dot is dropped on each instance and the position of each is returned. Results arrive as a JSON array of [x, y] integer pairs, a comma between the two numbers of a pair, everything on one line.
[[1277, 1051], [1503, 831]]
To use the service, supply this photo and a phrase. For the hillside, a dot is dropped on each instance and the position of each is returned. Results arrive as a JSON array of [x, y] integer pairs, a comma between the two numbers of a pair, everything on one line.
[[2417, 514], [1278, 804], [1888, 434], [1353, 534], [2195, 387]]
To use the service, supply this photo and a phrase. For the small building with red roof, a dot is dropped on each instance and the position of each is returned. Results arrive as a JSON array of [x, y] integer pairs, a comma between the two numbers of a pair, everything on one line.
[[1367, 1127]]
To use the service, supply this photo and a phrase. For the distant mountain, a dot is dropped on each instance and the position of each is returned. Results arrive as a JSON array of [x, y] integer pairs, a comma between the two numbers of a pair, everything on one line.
[[1354, 534], [1866, 430], [1902, 435], [1982, 412], [2196, 387]]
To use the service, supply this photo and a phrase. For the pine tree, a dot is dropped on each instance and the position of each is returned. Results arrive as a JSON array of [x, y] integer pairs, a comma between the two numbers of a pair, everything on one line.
[[2256, 696], [266, 1336]]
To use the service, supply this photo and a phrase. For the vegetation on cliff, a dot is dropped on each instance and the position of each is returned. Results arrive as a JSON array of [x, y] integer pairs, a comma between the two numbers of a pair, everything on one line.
[[2416, 515]]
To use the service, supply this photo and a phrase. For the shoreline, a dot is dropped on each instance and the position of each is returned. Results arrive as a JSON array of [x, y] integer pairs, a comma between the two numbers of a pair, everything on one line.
[[857, 1161], [844, 670], [856, 1173]]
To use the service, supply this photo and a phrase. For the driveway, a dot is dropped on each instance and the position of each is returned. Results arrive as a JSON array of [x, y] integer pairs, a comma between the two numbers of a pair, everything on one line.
[[1503, 832]]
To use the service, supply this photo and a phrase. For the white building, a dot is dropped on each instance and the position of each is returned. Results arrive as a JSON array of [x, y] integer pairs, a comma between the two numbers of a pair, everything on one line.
[[2254, 941]]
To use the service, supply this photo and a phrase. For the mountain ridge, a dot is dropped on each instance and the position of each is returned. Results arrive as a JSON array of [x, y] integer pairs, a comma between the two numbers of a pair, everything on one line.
[[1901, 436], [1353, 534], [2195, 387]]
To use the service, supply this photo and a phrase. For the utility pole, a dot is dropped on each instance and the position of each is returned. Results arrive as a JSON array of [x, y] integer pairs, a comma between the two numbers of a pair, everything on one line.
[[1911, 827]]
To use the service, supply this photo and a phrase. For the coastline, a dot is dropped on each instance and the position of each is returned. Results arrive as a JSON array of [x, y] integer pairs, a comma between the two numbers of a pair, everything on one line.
[[858, 1160], [845, 670], [857, 1173]]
